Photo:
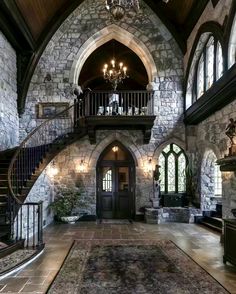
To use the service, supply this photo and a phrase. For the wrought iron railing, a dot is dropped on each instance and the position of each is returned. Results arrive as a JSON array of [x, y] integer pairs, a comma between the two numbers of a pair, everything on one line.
[[127, 103], [35, 147], [27, 223]]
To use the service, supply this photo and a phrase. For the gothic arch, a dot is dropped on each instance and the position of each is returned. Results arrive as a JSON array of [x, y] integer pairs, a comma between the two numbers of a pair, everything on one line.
[[174, 140], [207, 179], [106, 34], [116, 136], [207, 29]]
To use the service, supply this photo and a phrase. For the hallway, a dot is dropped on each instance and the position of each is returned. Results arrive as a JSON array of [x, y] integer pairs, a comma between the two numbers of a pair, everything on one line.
[[199, 243]]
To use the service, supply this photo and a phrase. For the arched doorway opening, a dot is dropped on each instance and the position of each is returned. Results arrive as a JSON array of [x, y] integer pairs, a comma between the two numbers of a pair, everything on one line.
[[115, 183]]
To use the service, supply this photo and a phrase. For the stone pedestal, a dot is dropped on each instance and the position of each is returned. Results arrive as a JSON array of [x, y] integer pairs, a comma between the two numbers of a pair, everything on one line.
[[171, 214], [152, 216]]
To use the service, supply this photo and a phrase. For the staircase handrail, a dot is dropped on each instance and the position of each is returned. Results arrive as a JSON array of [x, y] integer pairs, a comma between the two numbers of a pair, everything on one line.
[[78, 113]]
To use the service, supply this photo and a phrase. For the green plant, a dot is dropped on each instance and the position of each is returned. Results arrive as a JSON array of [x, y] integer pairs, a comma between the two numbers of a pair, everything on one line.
[[67, 201]]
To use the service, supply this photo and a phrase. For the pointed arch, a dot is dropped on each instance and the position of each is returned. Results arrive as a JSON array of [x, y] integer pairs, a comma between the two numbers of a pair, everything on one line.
[[106, 34]]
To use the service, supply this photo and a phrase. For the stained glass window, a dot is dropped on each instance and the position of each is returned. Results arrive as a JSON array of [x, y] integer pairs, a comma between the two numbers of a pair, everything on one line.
[[171, 173], [172, 163], [162, 172], [181, 173]]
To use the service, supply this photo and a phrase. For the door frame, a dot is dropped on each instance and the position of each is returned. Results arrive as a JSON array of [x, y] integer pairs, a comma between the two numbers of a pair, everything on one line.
[[132, 174]]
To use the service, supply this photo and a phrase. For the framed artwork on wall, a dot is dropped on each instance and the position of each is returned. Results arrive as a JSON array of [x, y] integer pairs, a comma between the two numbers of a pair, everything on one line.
[[49, 109]]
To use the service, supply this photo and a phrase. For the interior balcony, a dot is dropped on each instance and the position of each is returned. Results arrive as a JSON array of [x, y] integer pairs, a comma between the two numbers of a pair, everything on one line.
[[125, 110]]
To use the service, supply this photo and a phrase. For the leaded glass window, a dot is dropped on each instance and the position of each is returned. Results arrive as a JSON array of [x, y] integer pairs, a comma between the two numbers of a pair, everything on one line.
[[207, 67], [200, 77], [209, 63], [219, 61], [172, 163]]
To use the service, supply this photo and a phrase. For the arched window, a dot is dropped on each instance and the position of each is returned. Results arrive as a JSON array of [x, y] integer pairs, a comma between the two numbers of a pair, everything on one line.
[[232, 45], [172, 163], [207, 67]]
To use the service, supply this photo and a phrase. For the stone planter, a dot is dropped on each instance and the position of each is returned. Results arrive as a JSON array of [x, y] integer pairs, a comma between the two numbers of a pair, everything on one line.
[[70, 219]]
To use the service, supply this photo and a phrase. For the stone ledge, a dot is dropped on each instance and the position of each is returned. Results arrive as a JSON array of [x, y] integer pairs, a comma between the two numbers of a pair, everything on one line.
[[171, 214]]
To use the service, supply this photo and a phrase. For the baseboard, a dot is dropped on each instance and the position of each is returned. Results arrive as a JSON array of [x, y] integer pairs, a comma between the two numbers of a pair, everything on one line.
[[88, 218]]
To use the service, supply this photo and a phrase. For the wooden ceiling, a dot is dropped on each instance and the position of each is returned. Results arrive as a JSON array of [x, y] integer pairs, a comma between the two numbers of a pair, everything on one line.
[[38, 14], [30, 24]]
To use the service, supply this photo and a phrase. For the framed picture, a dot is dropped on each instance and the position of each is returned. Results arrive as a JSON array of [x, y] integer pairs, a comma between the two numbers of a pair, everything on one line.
[[48, 110]]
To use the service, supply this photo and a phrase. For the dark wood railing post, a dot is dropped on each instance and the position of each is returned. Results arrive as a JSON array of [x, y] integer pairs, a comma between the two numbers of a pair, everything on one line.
[[40, 223]]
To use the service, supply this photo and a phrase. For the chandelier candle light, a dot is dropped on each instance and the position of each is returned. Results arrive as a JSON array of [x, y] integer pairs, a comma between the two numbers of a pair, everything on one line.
[[115, 74], [118, 8]]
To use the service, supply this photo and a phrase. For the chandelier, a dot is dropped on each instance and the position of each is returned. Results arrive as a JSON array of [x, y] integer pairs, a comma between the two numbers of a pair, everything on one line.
[[118, 8], [115, 74]]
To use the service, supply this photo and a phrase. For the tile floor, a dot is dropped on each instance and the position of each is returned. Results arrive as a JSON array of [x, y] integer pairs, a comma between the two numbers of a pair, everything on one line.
[[201, 244]]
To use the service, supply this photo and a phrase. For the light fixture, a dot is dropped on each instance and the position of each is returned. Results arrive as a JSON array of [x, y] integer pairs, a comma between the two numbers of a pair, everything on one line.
[[118, 8], [81, 166], [52, 169], [115, 148], [115, 74], [148, 168]]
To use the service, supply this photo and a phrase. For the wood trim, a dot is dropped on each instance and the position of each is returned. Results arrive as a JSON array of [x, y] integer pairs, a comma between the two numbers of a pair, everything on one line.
[[12, 31], [20, 21], [194, 16], [219, 95]]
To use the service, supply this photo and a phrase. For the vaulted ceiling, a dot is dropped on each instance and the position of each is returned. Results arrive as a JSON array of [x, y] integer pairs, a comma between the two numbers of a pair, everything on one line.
[[29, 25]]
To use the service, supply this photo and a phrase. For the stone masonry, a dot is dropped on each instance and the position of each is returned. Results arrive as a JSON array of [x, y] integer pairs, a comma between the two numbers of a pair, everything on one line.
[[62, 51], [9, 121]]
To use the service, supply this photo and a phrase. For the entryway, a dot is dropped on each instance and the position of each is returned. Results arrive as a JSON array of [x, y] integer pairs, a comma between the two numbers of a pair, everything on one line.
[[115, 183]]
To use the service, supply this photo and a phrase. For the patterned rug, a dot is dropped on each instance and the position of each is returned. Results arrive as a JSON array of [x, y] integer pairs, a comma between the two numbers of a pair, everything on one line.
[[131, 267]]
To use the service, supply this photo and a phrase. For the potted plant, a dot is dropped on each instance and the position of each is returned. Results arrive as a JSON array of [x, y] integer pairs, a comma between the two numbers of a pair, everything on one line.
[[66, 205]]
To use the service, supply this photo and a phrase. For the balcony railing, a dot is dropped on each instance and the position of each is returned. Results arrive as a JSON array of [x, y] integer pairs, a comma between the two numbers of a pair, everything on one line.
[[125, 103]]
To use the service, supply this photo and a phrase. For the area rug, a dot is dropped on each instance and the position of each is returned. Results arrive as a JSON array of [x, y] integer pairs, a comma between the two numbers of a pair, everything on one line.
[[125, 267]]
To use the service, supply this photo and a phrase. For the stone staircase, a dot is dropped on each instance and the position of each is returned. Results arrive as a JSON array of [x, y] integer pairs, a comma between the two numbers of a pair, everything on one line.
[[213, 219]]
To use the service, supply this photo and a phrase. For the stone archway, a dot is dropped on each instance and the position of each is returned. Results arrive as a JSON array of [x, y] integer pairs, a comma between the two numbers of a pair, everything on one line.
[[208, 181], [101, 37], [115, 183]]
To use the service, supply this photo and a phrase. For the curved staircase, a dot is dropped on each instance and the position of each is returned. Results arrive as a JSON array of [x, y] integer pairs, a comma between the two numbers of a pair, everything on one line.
[[21, 223]]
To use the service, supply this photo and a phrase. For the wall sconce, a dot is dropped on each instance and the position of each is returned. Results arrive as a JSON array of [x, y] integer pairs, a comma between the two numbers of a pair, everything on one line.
[[115, 148], [149, 166], [52, 169], [48, 78], [81, 166]]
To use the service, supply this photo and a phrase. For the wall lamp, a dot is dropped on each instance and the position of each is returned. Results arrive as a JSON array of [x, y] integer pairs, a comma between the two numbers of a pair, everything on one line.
[[52, 169]]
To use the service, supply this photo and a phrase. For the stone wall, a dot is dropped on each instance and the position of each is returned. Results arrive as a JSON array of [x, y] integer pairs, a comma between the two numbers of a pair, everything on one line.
[[9, 121], [85, 23], [63, 51], [210, 137]]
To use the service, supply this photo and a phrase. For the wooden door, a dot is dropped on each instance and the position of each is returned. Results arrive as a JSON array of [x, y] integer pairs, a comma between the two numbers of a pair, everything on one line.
[[115, 189]]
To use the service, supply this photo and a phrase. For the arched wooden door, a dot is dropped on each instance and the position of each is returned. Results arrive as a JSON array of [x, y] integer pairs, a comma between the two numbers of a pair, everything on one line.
[[115, 183]]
